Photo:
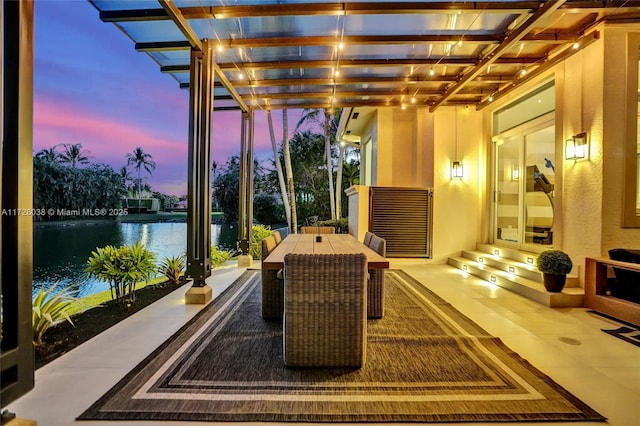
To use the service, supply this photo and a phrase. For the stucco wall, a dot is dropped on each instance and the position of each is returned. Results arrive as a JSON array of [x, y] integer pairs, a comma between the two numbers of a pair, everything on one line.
[[613, 141], [579, 99], [457, 202]]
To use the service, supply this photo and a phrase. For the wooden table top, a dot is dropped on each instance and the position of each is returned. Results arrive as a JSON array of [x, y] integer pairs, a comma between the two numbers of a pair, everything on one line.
[[330, 244]]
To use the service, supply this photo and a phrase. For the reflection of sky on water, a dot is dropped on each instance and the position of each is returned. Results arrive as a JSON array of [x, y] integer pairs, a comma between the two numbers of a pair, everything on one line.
[[61, 253]]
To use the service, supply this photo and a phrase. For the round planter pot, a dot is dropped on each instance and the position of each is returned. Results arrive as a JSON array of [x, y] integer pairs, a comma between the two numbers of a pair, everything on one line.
[[554, 283]]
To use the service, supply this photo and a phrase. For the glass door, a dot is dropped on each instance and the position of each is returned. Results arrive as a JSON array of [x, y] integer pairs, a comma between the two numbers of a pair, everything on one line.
[[524, 184], [507, 192]]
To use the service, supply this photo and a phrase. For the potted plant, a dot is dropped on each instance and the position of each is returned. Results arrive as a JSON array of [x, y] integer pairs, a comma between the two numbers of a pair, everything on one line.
[[554, 265]]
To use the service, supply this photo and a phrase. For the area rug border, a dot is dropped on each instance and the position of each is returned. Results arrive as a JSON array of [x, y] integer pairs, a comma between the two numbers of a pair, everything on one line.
[[584, 413]]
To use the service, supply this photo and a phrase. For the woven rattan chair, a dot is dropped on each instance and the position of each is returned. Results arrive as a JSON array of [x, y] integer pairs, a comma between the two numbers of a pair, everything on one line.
[[317, 230], [272, 286], [375, 285], [367, 238], [325, 314]]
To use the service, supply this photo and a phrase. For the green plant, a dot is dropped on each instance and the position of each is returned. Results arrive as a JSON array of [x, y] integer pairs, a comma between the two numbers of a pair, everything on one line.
[[258, 234], [122, 267], [49, 307], [341, 225], [219, 256], [554, 262], [173, 268]]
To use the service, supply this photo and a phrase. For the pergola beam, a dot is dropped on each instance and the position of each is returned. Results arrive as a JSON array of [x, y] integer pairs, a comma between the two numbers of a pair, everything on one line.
[[194, 42], [487, 39], [510, 40], [365, 8]]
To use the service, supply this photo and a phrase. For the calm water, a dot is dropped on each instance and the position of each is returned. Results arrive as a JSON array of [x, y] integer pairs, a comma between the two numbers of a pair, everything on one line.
[[61, 253]]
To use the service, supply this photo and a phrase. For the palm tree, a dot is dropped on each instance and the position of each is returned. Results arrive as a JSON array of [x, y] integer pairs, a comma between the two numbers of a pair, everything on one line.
[[311, 115], [74, 154], [50, 155], [140, 159], [289, 170], [276, 158]]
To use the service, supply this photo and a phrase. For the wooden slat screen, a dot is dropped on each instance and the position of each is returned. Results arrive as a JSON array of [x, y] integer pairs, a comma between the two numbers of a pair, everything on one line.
[[402, 216]]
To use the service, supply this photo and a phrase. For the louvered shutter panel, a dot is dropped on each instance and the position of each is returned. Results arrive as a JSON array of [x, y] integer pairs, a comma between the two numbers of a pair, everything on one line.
[[402, 216]]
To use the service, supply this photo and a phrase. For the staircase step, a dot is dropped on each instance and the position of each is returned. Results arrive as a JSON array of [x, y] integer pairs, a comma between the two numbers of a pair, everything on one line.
[[520, 261], [514, 267], [534, 290]]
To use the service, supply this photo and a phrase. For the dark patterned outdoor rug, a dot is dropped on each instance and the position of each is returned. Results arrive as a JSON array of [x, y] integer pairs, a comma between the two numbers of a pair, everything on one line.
[[426, 362], [628, 334]]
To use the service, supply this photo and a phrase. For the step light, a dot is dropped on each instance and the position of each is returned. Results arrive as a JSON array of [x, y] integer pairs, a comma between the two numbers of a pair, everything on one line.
[[481, 260], [465, 268], [496, 252], [512, 269], [530, 260], [493, 278]]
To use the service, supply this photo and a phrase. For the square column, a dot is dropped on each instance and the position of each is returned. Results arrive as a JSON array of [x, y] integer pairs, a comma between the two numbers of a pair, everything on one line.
[[199, 178]]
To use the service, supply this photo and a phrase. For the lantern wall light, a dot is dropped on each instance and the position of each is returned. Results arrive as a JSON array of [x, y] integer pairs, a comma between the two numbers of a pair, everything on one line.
[[577, 147]]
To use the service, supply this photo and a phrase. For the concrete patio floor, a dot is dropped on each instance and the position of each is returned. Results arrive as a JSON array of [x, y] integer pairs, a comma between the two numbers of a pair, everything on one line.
[[567, 344]]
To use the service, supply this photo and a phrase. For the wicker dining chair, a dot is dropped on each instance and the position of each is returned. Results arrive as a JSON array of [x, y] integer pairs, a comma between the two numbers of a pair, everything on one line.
[[367, 238], [325, 314], [375, 285], [272, 286], [317, 230], [277, 236]]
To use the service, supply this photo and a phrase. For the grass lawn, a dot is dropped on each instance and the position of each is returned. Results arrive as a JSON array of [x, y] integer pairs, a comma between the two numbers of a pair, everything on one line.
[[97, 299]]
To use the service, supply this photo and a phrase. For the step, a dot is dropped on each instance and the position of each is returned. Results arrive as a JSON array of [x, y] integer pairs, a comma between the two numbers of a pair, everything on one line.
[[534, 290], [520, 261], [511, 266]]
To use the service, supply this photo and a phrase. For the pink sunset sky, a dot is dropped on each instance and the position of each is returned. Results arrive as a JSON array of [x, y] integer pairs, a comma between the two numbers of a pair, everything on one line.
[[91, 87]]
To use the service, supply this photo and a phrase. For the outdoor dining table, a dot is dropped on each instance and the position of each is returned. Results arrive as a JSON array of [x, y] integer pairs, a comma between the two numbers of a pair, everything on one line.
[[329, 244]]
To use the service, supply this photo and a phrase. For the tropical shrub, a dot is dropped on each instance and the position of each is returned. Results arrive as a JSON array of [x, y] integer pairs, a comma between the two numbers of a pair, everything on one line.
[[341, 225], [49, 307], [259, 233], [122, 267], [173, 268], [219, 256]]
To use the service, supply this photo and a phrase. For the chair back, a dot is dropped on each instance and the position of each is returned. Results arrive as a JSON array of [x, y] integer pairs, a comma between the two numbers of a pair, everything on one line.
[[268, 244], [367, 239], [317, 230], [277, 237], [325, 310], [379, 245]]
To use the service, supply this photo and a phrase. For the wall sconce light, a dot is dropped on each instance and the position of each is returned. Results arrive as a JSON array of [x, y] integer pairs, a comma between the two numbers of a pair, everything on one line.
[[457, 170], [576, 147], [515, 174]]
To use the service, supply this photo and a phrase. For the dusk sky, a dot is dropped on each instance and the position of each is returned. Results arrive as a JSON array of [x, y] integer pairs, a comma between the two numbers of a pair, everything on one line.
[[91, 87]]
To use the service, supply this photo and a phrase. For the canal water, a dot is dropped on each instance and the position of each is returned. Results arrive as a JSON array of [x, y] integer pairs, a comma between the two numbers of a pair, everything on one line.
[[60, 253]]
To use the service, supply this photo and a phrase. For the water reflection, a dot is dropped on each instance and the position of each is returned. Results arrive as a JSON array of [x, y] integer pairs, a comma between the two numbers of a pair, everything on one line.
[[60, 253]]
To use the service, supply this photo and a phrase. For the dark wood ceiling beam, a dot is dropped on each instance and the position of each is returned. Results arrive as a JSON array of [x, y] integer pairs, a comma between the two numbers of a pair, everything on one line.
[[359, 63], [513, 38], [547, 38], [195, 43], [365, 8]]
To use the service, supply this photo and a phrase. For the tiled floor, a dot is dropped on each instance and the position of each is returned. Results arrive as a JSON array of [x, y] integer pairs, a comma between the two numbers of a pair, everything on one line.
[[567, 344]]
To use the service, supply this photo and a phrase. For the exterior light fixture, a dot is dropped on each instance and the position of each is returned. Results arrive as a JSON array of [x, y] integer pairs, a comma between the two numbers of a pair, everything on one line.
[[512, 270], [220, 48], [523, 72], [576, 147], [340, 46], [431, 71], [491, 98], [481, 260], [496, 252], [493, 278], [515, 174], [413, 100], [457, 170], [576, 45]]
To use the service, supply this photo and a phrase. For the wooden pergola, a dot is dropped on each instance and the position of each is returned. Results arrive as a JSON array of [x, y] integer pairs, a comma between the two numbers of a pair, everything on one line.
[[265, 54]]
